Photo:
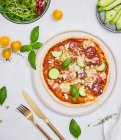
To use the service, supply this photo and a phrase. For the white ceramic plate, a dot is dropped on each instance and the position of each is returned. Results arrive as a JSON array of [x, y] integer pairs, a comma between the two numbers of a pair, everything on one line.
[[45, 95]]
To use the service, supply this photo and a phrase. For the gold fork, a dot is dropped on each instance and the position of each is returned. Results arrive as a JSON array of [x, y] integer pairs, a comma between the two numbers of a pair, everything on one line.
[[28, 114]]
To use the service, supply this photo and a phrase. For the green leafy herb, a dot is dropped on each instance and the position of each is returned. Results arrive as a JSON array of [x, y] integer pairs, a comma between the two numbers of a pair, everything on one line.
[[105, 119], [36, 45], [89, 125], [34, 34], [1, 121], [19, 10], [66, 63], [7, 107], [74, 92], [32, 47], [26, 48], [74, 129], [32, 59], [3, 95]]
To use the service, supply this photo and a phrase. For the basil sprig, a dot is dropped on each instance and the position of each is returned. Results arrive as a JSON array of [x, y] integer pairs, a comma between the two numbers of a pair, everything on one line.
[[74, 92], [33, 47], [66, 63], [74, 129], [3, 95]]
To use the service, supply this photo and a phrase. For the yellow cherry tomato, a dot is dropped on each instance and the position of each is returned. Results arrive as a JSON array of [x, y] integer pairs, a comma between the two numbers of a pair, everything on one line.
[[6, 53], [4, 41], [57, 14], [16, 46]]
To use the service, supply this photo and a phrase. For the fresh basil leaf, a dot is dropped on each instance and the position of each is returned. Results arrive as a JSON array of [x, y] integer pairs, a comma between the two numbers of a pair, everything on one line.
[[36, 45], [74, 92], [74, 128], [26, 48], [66, 63], [73, 99], [32, 59], [34, 34], [3, 95]]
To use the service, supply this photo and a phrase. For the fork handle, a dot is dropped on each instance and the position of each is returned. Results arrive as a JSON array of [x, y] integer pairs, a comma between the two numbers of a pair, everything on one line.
[[55, 130], [46, 135]]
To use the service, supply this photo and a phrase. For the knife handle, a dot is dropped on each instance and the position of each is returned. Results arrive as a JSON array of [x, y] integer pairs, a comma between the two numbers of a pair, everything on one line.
[[46, 135], [55, 130]]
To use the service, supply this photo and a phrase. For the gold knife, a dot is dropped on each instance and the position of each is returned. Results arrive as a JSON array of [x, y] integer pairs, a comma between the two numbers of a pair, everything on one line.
[[40, 114]]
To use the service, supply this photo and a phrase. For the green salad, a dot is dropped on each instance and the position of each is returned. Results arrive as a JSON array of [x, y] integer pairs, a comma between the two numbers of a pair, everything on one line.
[[112, 10], [22, 10]]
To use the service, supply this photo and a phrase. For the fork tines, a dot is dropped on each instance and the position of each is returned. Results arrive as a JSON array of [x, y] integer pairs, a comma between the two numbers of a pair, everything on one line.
[[23, 109]]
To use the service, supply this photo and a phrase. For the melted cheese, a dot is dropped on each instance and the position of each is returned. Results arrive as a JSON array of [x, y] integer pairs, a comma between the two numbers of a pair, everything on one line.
[[51, 82], [66, 96], [66, 46], [55, 85], [65, 87], [91, 76], [103, 75], [88, 43]]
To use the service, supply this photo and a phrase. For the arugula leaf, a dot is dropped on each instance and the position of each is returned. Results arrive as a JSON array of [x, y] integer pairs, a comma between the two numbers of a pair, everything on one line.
[[74, 128], [3, 95], [32, 59], [66, 63], [26, 48], [74, 92], [34, 34], [26, 12], [36, 45]]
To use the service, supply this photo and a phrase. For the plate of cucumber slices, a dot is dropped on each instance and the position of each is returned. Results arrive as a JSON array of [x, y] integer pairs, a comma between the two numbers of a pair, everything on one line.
[[109, 14]]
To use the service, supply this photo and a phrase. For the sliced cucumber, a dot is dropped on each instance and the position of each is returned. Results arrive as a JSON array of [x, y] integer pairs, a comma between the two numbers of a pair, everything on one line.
[[80, 62], [101, 67], [109, 7], [109, 15], [117, 8], [82, 91], [118, 24], [113, 21], [104, 3], [54, 73], [56, 54]]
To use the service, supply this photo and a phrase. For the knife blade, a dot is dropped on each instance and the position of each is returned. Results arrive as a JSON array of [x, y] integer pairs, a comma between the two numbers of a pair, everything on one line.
[[33, 105]]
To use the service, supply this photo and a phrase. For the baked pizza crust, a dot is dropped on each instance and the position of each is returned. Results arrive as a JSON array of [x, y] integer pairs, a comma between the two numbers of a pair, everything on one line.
[[67, 103]]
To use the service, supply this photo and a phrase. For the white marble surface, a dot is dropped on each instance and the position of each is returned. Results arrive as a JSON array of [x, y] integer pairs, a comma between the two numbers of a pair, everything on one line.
[[16, 75]]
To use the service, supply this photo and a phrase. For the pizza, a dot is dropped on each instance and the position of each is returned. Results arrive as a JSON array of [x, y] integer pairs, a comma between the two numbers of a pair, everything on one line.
[[75, 71]]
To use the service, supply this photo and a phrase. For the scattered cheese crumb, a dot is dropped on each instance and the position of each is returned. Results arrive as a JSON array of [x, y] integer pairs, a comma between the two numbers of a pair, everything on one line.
[[66, 96], [55, 85]]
